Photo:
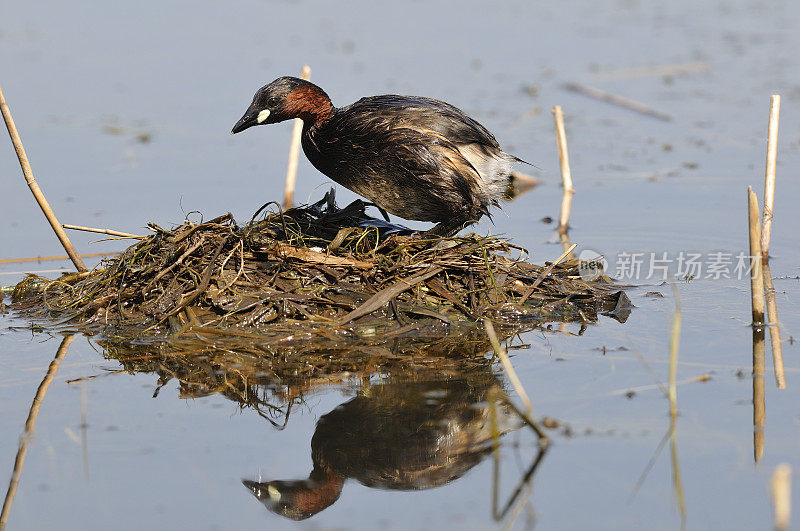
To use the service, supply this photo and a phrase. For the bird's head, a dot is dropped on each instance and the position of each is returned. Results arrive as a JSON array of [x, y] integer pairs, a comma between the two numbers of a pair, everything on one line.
[[299, 499], [284, 99]]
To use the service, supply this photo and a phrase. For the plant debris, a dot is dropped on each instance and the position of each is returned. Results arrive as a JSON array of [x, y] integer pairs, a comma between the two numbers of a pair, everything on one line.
[[317, 271]]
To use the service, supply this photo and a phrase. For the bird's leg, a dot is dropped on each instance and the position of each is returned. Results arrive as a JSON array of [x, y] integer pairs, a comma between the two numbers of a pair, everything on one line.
[[382, 211], [447, 229]]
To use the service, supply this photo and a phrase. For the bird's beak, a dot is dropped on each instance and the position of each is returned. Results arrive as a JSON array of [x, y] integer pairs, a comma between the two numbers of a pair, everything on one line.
[[249, 119]]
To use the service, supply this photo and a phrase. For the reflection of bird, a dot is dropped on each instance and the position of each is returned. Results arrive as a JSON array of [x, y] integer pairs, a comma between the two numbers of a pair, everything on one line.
[[400, 435], [417, 158]]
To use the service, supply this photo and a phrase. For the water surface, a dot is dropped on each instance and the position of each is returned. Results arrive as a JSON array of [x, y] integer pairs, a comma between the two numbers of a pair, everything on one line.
[[126, 112]]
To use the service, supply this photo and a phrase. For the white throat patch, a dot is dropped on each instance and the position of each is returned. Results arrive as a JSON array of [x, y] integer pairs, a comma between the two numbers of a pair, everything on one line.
[[263, 115]]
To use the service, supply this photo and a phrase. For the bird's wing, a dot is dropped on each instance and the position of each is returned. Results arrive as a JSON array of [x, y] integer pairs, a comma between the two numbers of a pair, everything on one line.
[[425, 113]]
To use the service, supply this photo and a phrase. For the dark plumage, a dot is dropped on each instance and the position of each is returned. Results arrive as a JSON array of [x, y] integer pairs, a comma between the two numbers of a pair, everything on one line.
[[417, 158]]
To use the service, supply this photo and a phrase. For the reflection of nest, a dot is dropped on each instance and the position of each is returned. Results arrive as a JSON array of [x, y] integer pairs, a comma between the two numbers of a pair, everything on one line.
[[271, 377], [308, 271]]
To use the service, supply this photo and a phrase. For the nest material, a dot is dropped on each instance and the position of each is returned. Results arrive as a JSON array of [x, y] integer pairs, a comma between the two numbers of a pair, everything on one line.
[[313, 271]]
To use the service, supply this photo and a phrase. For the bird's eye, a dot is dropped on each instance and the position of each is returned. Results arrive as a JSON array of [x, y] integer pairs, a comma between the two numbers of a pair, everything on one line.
[[273, 101]]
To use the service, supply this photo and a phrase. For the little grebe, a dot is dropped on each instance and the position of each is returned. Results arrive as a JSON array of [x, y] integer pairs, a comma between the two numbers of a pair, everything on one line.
[[417, 158]]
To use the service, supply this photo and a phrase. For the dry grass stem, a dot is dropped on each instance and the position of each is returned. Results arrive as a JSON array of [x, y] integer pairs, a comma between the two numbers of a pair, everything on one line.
[[37, 192], [566, 175], [769, 179], [512, 374], [756, 272], [782, 496], [614, 99], [384, 296], [678, 69], [294, 152], [546, 272], [104, 231], [52, 258]]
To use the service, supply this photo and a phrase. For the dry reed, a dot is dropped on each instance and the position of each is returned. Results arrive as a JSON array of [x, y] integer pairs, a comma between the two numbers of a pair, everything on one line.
[[34, 187], [769, 178], [110, 232], [615, 99], [756, 272], [294, 152]]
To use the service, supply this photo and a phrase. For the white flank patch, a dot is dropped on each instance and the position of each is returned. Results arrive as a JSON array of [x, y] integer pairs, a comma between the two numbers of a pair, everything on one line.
[[263, 115], [493, 168]]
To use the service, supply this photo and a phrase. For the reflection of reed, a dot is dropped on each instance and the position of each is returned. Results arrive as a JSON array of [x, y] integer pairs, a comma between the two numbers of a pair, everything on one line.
[[674, 341], [29, 426], [773, 327], [782, 496], [676, 470], [671, 434], [521, 493], [759, 407], [497, 395]]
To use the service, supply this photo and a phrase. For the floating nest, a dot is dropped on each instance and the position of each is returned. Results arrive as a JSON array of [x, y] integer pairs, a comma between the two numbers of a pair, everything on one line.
[[314, 272]]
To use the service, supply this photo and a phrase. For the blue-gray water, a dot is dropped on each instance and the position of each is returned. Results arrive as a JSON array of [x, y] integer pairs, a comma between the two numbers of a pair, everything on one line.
[[85, 79]]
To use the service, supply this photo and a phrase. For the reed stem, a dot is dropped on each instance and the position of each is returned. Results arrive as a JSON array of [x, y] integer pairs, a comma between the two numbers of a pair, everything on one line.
[[294, 152], [756, 272], [615, 99], [37, 192], [110, 232], [769, 178], [566, 174]]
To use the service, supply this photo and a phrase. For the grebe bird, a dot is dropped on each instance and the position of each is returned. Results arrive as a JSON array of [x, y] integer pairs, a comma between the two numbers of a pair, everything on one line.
[[417, 158]]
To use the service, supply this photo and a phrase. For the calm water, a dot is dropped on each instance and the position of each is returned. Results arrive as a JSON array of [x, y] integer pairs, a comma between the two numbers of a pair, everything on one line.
[[126, 111]]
